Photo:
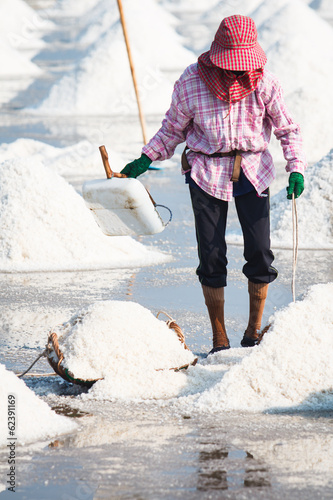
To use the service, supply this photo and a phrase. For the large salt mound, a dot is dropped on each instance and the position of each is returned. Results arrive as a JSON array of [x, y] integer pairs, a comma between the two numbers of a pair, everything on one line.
[[314, 209], [102, 82], [298, 45], [323, 7], [73, 8], [21, 27], [188, 5], [34, 419], [81, 159], [291, 368], [224, 9], [128, 346], [14, 64], [45, 225]]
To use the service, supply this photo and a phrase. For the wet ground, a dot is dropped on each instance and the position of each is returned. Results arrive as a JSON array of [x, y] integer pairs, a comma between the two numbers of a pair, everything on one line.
[[154, 449]]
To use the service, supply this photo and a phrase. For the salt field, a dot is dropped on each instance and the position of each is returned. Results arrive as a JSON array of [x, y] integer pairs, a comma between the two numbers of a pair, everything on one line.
[[240, 424]]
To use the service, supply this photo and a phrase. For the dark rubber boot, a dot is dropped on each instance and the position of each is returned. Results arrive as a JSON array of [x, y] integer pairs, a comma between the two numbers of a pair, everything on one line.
[[214, 300], [257, 295]]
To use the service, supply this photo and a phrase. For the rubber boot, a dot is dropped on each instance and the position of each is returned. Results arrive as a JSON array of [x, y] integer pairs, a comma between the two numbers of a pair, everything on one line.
[[257, 295], [214, 300]]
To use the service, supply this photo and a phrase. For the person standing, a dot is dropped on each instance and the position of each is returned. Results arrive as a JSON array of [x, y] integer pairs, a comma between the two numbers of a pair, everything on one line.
[[224, 107]]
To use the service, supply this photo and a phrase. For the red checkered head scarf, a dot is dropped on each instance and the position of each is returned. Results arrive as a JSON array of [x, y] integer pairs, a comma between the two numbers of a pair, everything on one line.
[[235, 48]]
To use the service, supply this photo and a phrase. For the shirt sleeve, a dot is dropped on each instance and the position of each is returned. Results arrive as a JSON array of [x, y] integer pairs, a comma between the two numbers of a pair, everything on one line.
[[286, 131], [172, 131]]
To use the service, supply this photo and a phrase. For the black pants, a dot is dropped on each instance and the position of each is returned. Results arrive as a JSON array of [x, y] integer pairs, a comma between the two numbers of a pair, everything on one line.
[[210, 221]]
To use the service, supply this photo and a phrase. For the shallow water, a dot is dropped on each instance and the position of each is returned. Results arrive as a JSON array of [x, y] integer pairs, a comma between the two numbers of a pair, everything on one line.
[[154, 449]]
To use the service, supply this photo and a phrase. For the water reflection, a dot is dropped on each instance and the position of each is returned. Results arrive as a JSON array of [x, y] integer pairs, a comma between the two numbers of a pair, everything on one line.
[[212, 474], [225, 469]]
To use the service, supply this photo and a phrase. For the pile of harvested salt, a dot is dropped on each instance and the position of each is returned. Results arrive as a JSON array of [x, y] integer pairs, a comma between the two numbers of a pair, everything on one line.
[[101, 81], [291, 367], [34, 419], [314, 208], [129, 347], [45, 225]]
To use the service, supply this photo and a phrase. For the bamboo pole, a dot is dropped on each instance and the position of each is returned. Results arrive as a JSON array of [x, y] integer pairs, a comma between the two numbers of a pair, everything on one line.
[[123, 24]]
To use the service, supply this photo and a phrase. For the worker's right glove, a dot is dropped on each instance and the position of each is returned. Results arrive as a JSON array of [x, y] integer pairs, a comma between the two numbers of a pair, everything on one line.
[[296, 185], [137, 167]]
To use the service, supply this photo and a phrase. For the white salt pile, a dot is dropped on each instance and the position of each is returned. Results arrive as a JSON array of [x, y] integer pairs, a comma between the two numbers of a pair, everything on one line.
[[14, 64], [292, 367], [80, 159], [323, 7], [224, 9], [73, 8], [124, 343], [298, 46], [314, 208], [21, 31], [34, 420], [102, 83], [188, 5], [129, 347], [45, 225], [21, 27], [314, 212]]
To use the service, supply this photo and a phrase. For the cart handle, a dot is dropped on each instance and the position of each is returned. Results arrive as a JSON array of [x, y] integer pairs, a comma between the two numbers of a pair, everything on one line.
[[107, 168]]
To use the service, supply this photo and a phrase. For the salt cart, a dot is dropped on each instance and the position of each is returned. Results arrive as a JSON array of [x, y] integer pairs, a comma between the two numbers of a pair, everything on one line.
[[122, 206]]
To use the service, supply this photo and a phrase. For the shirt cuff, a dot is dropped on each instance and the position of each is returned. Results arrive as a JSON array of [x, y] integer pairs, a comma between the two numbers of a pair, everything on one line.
[[296, 167], [151, 153]]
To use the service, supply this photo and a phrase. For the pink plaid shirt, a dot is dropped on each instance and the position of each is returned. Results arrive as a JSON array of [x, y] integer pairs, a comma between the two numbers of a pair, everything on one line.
[[208, 125]]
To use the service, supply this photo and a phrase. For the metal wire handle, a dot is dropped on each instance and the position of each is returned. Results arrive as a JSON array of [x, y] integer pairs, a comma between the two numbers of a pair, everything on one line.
[[170, 218]]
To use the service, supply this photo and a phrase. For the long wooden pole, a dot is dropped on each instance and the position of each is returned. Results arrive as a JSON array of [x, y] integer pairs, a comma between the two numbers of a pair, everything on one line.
[[123, 24]]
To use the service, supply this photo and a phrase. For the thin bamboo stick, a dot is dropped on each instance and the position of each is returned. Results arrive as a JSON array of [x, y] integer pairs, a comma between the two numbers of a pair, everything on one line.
[[123, 24]]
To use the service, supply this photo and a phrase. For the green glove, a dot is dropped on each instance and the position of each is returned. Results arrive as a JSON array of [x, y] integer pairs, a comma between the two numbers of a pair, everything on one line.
[[296, 185], [137, 167]]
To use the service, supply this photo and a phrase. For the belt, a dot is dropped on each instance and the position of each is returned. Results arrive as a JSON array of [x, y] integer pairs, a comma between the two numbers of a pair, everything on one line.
[[237, 163]]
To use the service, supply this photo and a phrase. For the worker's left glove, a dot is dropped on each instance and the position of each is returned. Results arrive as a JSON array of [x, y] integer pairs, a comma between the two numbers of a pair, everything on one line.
[[137, 167], [296, 185]]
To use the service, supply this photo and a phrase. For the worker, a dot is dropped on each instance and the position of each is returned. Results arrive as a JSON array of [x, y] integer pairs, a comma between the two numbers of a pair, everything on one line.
[[224, 107]]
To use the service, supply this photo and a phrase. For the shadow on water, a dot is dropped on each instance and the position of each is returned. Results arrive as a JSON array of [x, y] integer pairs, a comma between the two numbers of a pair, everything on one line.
[[321, 409]]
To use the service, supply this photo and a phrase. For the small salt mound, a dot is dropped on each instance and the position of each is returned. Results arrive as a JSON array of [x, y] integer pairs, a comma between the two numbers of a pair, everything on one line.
[[314, 208], [45, 225], [129, 347], [34, 419], [292, 367]]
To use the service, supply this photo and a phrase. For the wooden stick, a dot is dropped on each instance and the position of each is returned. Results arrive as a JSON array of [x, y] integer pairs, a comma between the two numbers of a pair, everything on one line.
[[123, 24], [107, 168]]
